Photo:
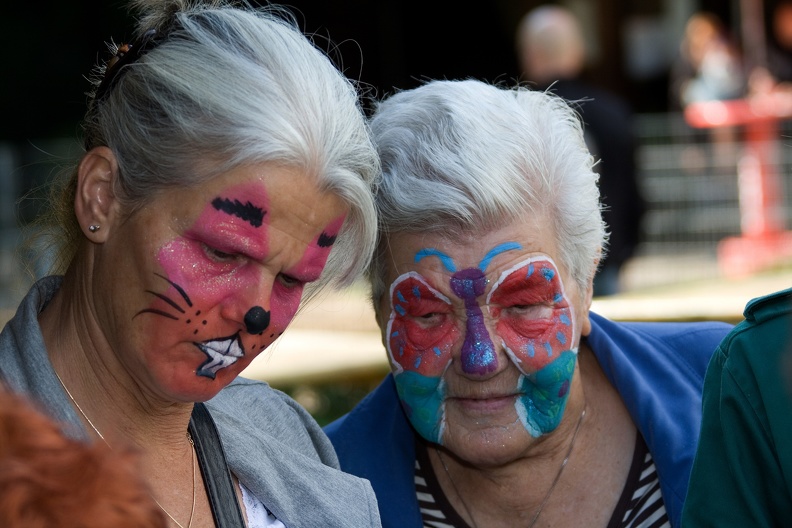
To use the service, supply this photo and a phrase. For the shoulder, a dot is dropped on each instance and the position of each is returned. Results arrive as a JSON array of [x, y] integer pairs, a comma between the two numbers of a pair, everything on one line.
[[676, 353], [769, 306], [763, 340], [380, 410], [358, 438], [685, 339], [252, 408], [282, 455], [24, 357], [375, 441]]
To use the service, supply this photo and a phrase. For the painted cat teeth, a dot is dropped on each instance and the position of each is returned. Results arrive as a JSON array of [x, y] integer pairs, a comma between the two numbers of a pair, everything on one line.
[[222, 353]]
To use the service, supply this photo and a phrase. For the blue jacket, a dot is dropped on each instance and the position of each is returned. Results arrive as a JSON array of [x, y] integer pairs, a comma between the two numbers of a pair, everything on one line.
[[658, 368]]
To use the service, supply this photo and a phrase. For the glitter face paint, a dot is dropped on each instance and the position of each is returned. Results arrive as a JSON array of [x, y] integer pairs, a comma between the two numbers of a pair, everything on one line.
[[530, 314], [535, 322], [213, 273], [428, 347], [420, 351]]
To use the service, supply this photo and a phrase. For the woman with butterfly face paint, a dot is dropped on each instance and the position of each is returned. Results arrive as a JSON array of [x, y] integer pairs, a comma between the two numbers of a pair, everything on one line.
[[509, 402], [227, 168]]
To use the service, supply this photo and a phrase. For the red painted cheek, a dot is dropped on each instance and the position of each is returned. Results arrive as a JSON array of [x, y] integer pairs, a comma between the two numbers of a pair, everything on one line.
[[421, 330], [536, 343], [533, 316], [284, 304], [285, 301]]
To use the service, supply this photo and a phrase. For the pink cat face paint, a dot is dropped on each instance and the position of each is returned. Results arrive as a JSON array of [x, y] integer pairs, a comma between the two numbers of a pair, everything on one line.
[[232, 281]]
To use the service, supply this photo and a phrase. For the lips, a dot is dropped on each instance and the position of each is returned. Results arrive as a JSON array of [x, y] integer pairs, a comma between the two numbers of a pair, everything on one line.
[[221, 353], [489, 403]]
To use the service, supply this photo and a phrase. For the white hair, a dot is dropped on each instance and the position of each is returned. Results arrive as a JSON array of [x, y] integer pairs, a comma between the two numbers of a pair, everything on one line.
[[465, 156], [228, 86]]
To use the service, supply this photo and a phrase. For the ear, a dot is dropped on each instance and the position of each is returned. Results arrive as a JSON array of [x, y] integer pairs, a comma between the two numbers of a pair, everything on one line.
[[95, 203]]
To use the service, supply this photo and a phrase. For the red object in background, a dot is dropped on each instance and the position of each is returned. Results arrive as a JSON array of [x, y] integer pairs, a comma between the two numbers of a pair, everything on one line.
[[764, 241]]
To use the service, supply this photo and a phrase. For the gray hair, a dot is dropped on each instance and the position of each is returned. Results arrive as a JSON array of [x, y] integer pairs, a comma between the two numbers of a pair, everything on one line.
[[229, 86], [465, 156]]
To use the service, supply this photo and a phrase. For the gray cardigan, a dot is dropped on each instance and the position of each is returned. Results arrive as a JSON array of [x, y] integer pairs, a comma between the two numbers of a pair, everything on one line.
[[273, 446]]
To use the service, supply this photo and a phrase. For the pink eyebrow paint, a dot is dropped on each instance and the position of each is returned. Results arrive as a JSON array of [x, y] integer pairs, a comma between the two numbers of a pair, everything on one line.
[[315, 257]]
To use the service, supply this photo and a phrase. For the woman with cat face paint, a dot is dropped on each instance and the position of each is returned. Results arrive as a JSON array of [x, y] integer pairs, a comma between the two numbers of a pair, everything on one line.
[[510, 403], [227, 168]]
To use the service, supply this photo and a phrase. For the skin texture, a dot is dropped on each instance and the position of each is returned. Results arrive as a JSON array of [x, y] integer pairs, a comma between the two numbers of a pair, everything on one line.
[[482, 335]]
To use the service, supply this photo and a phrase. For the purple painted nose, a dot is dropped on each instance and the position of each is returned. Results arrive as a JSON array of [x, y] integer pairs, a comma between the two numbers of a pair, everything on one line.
[[478, 352]]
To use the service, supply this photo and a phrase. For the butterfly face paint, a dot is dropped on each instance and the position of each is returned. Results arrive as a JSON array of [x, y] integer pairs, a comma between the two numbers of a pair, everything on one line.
[[423, 330], [220, 286], [532, 320], [536, 324]]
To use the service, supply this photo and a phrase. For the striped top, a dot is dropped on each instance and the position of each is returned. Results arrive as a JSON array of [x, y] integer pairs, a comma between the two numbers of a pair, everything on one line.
[[640, 505]]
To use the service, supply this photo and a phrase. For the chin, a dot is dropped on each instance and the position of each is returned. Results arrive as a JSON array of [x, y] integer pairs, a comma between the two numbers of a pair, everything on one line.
[[492, 447], [193, 388]]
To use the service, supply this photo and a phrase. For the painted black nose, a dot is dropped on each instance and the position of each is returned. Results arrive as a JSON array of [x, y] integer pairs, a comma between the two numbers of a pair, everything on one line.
[[257, 320]]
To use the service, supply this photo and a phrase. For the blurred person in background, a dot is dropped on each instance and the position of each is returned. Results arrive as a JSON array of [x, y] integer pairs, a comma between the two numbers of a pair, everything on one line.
[[509, 402], [552, 54], [742, 473], [227, 168], [776, 74], [708, 66]]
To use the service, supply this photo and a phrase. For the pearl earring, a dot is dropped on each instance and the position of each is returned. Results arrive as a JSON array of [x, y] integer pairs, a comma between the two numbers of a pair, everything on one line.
[[93, 228]]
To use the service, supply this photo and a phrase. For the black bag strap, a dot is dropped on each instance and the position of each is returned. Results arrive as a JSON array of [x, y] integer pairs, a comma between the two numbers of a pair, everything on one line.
[[214, 468]]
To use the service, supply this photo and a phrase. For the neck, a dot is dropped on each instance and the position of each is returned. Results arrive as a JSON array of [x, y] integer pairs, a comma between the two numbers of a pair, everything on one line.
[[511, 494], [116, 403]]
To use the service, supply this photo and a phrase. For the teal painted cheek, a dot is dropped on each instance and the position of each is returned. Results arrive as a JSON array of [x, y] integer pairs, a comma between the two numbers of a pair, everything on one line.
[[545, 394], [422, 399], [536, 325], [419, 355]]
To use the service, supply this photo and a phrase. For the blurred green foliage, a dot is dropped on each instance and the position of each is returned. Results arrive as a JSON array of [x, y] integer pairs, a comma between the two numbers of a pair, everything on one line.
[[329, 401]]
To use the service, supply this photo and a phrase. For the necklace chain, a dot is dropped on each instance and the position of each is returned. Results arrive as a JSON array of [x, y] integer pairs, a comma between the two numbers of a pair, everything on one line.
[[549, 491], [96, 430]]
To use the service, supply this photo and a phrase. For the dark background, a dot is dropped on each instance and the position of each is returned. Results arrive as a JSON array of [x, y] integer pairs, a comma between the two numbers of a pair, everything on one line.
[[47, 49]]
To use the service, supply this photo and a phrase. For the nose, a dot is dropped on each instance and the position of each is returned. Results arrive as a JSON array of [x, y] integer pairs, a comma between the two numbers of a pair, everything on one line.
[[256, 320], [247, 304], [478, 351]]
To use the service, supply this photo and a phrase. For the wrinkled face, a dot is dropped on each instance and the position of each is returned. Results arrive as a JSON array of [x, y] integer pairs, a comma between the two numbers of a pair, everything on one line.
[[204, 279], [482, 335]]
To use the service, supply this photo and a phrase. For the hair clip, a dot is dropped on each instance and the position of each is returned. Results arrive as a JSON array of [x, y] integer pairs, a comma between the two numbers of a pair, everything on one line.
[[125, 54]]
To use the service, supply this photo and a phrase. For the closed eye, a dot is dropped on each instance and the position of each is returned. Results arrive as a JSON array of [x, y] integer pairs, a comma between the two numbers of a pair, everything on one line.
[[530, 311], [219, 256], [429, 319], [288, 281]]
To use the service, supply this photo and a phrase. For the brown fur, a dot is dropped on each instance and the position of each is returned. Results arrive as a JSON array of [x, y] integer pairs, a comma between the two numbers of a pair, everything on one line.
[[48, 480]]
